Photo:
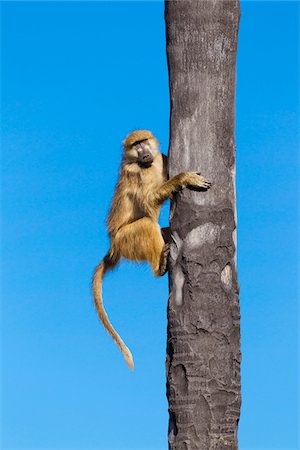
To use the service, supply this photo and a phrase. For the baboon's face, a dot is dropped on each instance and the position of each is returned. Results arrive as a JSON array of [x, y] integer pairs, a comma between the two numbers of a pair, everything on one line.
[[142, 152]]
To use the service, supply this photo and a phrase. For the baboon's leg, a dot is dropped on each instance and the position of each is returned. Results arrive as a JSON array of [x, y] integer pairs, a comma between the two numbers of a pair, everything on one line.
[[141, 241]]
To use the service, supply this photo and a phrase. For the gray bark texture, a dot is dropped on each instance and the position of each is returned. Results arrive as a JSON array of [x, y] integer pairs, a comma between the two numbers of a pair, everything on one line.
[[203, 347]]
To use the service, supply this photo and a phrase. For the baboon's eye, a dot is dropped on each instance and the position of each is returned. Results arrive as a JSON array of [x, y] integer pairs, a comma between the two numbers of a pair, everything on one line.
[[139, 142]]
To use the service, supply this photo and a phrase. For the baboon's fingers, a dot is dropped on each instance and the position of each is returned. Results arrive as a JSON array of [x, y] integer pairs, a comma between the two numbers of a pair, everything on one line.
[[198, 181]]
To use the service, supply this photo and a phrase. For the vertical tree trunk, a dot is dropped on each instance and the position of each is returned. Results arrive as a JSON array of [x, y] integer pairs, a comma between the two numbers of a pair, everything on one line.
[[203, 349]]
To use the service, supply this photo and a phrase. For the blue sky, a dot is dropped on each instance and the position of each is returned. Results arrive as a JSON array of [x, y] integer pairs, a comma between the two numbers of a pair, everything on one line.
[[76, 78]]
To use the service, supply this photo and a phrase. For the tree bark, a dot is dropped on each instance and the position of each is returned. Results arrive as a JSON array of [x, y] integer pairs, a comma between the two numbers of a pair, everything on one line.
[[203, 347]]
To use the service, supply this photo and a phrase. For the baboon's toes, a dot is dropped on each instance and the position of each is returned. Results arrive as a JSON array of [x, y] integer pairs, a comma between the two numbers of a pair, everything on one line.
[[166, 249]]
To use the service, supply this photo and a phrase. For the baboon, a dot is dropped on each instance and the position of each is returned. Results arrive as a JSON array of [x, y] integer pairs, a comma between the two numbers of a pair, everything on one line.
[[134, 232]]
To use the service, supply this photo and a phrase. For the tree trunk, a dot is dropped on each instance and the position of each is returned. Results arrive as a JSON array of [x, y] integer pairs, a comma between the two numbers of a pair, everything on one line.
[[203, 348]]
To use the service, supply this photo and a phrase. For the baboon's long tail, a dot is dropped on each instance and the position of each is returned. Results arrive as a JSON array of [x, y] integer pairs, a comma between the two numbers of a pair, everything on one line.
[[100, 271]]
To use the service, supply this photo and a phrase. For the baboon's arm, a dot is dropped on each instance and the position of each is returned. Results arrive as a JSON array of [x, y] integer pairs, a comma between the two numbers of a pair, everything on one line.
[[167, 189], [176, 183]]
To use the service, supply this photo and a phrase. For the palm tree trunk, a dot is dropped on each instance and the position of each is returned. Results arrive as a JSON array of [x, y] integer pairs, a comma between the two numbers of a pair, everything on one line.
[[203, 348]]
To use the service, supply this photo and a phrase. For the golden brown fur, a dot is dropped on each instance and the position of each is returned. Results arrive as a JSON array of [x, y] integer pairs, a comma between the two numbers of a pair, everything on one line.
[[133, 218]]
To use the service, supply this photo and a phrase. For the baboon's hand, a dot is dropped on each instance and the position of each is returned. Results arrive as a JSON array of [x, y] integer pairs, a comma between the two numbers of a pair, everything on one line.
[[195, 180]]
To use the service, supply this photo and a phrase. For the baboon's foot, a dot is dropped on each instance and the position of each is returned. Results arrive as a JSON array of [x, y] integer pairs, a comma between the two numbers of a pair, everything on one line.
[[163, 264]]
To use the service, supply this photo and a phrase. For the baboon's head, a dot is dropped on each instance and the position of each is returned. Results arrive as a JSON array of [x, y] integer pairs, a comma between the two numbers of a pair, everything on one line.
[[140, 147]]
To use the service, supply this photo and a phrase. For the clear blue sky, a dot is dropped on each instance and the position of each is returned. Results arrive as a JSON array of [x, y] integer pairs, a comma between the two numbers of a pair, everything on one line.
[[76, 78]]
